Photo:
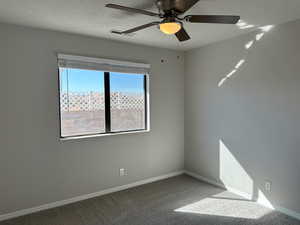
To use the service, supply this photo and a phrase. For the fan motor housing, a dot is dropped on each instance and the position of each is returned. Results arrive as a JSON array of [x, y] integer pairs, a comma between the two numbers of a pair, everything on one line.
[[177, 6]]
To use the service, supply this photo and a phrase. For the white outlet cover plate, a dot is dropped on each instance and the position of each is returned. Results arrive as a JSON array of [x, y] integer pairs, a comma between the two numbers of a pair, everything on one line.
[[268, 185]]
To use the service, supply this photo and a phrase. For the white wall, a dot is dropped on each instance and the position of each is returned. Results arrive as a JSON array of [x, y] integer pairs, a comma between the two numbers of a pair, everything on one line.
[[241, 133], [247, 130], [35, 167]]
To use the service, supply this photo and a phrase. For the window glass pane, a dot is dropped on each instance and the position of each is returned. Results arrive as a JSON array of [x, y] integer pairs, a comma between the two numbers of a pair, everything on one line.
[[81, 102], [127, 101]]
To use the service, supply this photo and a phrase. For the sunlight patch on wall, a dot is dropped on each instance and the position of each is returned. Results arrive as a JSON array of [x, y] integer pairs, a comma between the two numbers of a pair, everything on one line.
[[262, 199], [247, 27], [232, 173], [259, 36], [231, 73], [243, 25], [240, 63], [236, 179], [267, 28], [222, 81], [249, 44]]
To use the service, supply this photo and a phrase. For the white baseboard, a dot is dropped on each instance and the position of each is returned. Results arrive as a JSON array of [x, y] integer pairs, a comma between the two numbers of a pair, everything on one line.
[[260, 201], [87, 196], [288, 212], [138, 183], [207, 180], [218, 184]]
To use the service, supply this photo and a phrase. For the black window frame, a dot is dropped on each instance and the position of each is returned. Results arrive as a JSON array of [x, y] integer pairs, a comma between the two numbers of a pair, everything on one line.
[[107, 108]]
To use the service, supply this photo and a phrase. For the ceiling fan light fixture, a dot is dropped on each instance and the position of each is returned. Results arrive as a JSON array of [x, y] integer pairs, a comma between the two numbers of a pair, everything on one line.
[[170, 27], [171, 18]]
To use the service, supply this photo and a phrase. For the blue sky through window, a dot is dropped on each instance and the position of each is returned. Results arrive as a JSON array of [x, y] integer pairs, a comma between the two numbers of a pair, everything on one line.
[[79, 80], [126, 82]]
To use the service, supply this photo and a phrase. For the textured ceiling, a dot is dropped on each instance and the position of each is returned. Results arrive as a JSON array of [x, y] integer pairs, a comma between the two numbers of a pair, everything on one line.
[[90, 17]]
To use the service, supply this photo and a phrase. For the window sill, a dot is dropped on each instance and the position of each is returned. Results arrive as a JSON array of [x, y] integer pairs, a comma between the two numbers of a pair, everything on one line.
[[102, 135]]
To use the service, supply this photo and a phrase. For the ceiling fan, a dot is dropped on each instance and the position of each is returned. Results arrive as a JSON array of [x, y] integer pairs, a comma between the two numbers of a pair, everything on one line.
[[170, 11]]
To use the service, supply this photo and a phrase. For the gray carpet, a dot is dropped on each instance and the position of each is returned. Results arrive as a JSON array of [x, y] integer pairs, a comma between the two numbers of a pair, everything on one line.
[[176, 201]]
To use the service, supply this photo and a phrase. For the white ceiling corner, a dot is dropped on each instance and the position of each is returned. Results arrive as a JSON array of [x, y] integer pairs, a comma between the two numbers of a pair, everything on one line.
[[90, 17]]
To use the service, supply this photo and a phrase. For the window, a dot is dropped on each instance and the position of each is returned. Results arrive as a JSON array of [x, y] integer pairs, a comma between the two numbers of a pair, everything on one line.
[[100, 97], [81, 102], [127, 102]]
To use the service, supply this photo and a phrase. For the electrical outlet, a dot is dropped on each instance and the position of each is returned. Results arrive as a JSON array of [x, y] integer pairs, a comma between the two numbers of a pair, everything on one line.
[[123, 172], [268, 185]]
